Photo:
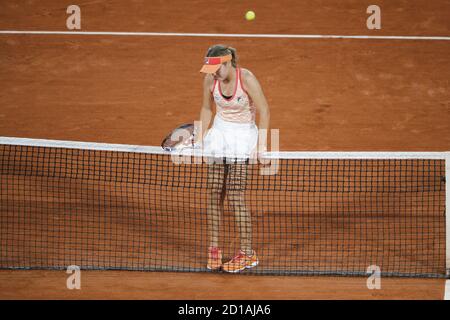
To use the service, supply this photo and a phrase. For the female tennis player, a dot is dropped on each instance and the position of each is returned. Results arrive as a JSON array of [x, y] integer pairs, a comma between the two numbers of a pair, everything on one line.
[[234, 135]]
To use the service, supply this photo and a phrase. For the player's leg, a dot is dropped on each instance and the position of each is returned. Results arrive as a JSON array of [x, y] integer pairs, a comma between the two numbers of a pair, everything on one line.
[[215, 187], [235, 189], [236, 185]]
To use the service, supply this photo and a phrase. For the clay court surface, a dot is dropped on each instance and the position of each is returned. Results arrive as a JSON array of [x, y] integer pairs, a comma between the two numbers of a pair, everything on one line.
[[324, 95], [181, 286]]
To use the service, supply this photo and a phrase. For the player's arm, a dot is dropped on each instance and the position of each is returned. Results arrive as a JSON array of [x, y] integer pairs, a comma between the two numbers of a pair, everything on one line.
[[255, 91], [206, 111]]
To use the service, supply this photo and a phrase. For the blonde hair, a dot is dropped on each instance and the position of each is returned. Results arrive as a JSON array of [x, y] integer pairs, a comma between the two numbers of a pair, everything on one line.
[[219, 50]]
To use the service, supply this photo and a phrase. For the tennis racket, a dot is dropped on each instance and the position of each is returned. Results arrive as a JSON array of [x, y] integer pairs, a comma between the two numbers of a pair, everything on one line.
[[180, 138]]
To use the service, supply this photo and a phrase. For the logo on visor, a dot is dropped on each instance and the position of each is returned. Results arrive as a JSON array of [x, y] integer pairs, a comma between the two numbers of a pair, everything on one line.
[[206, 61]]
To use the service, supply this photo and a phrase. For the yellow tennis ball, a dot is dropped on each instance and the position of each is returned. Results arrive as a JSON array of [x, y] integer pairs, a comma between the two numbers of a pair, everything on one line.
[[250, 15]]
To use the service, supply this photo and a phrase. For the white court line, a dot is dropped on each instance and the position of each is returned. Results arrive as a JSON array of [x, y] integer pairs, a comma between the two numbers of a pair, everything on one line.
[[447, 290], [226, 35]]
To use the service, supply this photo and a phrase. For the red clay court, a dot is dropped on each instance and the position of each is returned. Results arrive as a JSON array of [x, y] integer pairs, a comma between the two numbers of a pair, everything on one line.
[[124, 84]]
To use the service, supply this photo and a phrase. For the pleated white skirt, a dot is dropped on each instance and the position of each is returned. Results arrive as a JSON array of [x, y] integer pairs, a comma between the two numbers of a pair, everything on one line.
[[230, 139]]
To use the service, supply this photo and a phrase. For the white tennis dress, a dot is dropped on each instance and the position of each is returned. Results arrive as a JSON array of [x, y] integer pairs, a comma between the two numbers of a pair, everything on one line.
[[234, 133]]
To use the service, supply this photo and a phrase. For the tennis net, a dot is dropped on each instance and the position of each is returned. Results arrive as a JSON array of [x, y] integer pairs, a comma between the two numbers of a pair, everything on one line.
[[106, 206]]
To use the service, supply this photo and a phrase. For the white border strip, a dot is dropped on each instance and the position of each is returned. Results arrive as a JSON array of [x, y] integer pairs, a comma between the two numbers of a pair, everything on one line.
[[224, 35], [354, 155], [447, 214], [269, 155], [447, 290]]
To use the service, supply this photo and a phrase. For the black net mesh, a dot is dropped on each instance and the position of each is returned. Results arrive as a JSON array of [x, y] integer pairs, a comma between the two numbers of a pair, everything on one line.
[[140, 211]]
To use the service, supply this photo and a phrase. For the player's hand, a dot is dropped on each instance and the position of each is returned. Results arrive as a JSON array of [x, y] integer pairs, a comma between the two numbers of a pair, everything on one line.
[[257, 155]]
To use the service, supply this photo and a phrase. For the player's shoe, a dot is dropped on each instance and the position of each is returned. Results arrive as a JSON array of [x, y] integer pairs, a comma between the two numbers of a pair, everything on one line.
[[241, 262], [214, 258]]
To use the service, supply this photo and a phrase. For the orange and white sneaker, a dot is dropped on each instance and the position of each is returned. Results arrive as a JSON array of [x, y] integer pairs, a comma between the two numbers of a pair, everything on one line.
[[214, 258], [241, 262]]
